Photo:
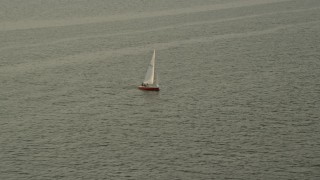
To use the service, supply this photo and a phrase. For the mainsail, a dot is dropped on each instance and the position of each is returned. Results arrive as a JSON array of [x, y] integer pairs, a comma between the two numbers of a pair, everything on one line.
[[149, 78]]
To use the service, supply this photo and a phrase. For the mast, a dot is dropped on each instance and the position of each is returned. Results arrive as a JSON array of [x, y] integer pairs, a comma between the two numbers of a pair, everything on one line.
[[154, 66]]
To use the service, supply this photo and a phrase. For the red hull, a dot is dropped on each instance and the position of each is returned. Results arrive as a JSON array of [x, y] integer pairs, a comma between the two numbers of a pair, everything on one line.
[[149, 88]]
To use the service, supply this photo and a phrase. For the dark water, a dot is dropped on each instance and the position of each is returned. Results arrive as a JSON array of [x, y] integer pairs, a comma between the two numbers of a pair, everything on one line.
[[239, 92]]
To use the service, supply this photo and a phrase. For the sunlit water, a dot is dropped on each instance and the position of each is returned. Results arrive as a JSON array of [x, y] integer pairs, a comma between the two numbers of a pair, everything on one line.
[[239, 94]]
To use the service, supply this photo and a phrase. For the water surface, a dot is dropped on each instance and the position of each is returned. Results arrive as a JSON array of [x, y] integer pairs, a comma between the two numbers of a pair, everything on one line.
[[239, 92]]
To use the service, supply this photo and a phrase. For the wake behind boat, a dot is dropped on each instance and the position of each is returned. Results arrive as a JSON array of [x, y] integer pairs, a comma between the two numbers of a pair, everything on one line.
[[150, 80]]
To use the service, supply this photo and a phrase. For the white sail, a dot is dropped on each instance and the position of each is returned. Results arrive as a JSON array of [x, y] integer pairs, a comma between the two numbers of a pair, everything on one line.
[[156, 79], [149, 78]]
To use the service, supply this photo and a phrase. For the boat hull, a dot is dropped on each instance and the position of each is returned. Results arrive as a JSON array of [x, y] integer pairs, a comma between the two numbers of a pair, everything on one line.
[[144, 88]]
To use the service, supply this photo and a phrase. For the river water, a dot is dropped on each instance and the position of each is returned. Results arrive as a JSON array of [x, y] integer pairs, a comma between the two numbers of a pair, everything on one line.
[[239, 94]]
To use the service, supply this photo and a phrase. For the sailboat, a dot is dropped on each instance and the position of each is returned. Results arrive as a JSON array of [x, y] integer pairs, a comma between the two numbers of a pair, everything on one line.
[[150, 80]]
